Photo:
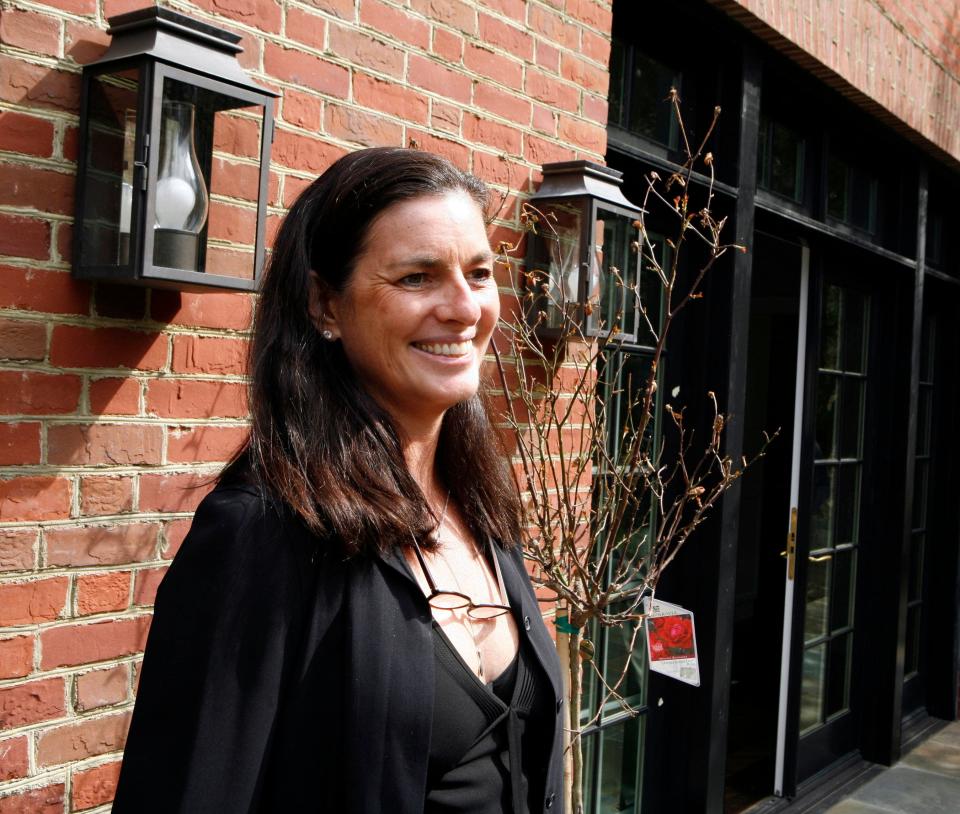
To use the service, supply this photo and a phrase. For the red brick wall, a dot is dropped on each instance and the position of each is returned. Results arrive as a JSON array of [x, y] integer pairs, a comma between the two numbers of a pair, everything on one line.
[[118, 404], [898, 59]]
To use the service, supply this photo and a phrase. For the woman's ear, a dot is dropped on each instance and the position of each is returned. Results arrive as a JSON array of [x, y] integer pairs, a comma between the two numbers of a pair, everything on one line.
[[321, 309]]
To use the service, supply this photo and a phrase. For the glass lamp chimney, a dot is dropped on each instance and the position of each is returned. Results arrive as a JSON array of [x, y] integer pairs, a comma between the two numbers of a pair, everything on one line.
[[181, 199]]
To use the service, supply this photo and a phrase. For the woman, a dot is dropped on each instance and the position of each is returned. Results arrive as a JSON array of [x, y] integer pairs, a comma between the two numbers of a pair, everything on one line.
[[348, 627]]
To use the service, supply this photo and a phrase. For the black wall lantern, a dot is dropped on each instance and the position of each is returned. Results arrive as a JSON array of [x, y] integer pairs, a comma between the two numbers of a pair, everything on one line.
[[583, 260], [174, 158]]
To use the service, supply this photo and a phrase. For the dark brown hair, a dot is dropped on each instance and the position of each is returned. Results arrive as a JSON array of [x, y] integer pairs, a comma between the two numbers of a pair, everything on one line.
[[318, 442]]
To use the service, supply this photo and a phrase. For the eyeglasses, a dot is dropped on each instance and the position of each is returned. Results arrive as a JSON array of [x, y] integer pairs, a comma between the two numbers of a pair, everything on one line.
[[455, 600]]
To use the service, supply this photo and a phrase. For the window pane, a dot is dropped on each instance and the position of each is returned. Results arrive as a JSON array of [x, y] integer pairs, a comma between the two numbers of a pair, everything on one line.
[[818, 597], [108, 194], [924, 408], [838, 685], [763, 153], [234, 191], [591, 686], [554, 255], [620, 746], [618, 640], [830, 329], [915, 586], [852, 194], [589, 747], [863, 200], [651, 289], [920, 485], [650, 115], [633, 383], [824, 499], [844, 575], [912, 660], [854, 331], [206, 204], [617, 264], [837, 184], [826, 438], [811, 687], [927, 346], [786, 162], [848, 503], [935, 239], [615, 109], [851, 425]]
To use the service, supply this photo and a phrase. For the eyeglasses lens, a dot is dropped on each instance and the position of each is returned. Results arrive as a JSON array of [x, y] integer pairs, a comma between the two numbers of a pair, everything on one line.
[[448, 601], [486, 611]]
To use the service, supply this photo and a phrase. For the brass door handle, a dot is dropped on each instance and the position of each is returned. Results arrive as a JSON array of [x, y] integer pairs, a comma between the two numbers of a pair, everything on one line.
[[791, 552], [821, 558]]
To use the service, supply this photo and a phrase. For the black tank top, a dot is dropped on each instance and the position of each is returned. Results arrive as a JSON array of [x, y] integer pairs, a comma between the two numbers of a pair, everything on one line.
[[488, 749]]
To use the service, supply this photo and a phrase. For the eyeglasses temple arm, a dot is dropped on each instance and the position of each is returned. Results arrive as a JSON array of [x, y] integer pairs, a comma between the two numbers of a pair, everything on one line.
[[504, 600], [423, 565]]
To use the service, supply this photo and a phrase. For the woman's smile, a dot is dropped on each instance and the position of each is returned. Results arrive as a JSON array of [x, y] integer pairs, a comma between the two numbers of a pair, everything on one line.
[[448, 349]]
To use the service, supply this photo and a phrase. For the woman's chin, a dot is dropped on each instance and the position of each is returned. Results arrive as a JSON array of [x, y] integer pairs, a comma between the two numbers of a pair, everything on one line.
[[441, 400]]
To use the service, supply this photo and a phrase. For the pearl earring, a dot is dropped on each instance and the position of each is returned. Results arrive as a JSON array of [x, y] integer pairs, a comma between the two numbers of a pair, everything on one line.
[[327, 334]]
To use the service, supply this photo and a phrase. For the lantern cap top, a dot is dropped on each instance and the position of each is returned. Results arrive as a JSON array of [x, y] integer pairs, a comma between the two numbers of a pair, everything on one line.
[[168, 36], [177, 24], [569, 179], [584, 167]]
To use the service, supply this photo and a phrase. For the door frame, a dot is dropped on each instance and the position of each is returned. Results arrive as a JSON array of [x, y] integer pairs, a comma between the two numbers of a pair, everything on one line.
[[940, 674], [783, 712], [881, 509]]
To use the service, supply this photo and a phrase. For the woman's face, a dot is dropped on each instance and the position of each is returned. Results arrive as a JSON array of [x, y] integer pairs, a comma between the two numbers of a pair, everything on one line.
[[416, 315]]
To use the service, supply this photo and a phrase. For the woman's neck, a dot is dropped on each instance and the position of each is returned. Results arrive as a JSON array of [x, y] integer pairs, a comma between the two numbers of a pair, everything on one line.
[[420, 454]]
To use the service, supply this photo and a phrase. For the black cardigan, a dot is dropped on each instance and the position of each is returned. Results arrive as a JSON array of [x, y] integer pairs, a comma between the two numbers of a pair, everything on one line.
[[280, 678]]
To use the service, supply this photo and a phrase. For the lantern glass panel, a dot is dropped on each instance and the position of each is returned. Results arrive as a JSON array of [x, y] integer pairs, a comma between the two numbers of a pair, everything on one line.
[[108, 188], [614, 266], [208, 181], [556, 264]]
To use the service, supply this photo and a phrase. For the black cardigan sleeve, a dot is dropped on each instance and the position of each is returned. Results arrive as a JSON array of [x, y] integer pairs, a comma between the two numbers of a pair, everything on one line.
[[226, 628]]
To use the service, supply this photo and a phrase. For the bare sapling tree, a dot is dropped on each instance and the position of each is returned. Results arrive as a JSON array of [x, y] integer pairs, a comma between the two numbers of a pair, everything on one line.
[[609, 504]]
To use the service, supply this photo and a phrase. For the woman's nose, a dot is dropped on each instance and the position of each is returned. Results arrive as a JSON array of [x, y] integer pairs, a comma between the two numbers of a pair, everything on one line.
[[459, 302]]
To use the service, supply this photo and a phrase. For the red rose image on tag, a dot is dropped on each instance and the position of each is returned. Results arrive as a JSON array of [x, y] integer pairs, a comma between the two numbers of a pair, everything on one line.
[[671, 641], [671, 637]]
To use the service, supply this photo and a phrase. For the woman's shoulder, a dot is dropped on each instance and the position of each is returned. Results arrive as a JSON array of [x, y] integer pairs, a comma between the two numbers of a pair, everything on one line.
[[241, 537], [238, 501], [240, 515]]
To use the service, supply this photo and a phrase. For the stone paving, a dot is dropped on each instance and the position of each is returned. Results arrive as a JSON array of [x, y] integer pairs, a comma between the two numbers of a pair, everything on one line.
[[926, 781]]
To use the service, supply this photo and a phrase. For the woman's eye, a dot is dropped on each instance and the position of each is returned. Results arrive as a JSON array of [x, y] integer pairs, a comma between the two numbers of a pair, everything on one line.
[[480, 275], [413, 280]]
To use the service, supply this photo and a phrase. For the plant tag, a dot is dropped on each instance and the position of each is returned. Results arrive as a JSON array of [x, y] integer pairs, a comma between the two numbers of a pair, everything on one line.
[[672, 641]]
